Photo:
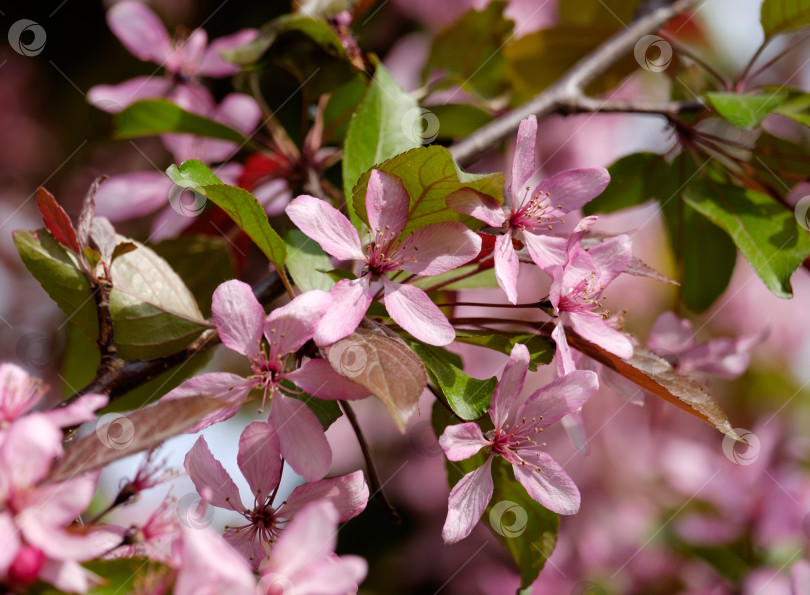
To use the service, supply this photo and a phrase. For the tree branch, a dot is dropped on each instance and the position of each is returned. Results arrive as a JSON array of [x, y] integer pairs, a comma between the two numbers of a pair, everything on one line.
[[568, 88]]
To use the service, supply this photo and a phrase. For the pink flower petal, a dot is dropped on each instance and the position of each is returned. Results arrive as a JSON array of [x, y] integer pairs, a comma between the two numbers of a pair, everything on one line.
[[82, 410], [462, 441], [131, 195], [289, 327], [10, 538], [507, 266], [569, 190], [575, 428], [563, 358], [333, 574], [140, 31], [523, 160], [510, 385], [169, 224], [303, 443], [550, 485], [439, 248], [327, 226], [68, 576], [597, 330], [213, 64], [348, 493], [724, 357], [239, 317], [387, 205], [310, 536], [114, 98], [350, 301], [320, 380], [612, 257], [561, 396], [27, 451], [671, 334], [467, 502], [218, 385], [247, 543], [259, 459], [239, 111], [414, 311], [800, 577], [471, 202], [545, 251], [207, 564], [210, 477], [188, 53]]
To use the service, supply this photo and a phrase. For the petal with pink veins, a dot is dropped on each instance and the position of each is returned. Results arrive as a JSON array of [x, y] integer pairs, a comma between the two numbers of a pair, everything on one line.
[[507, 265], [287, 328], [467, 502], [259, 459], [387, 204], [210, 477], [319, 379], [81, 410], [563, 358], [523, 160], [131, 195], [10, 538], [350, 301], [239, 317], [561, 396], [414, 311], [310, 536], [475, 204], [27, 451], [140, 31], [510, 385], [207, 564], [302, 441], [213, 64], [671, 334], [550, 485], [439, 248], [612, 257], [225, 386], [575, 428], [462, 441], [326, 225], [571, 189], [348, 493], [545, 251], [597, 330]]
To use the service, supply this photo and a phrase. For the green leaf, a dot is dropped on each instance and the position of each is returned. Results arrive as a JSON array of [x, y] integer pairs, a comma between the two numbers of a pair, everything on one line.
[[203, 262], [539, 59], [745, 111], [468, 396], [796, 107], [527, 529], [151, 117], [779, 16], [57, 270], [766, 232], [306, 262], [632, 181], [339, 109], [469, 51], [484, 278], [327, 412], [382, 126], [430, 175], [118, 575], [541, 349], [192, 174], [458, 119]]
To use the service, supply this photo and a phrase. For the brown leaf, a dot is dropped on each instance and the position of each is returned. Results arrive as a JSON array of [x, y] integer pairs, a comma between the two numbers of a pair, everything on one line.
[[57, 221], [376, 358], [118, 436], [656, 375]]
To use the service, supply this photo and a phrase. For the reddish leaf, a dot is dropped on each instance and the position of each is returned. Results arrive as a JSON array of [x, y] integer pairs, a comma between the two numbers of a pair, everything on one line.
[[57, 221]]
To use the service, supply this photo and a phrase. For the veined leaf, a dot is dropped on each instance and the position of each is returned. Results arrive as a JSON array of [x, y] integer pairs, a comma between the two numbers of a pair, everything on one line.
[[745, 111], [780, 16], [307, 262], [633, 181], [541, 349]]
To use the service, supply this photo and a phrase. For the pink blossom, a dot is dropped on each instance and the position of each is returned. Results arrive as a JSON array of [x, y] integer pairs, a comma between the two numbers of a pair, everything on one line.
[[303, 561], [241, 323], [431, 250], [515, 441], [184, 58], [261, 464], [207, 565], [535, 206]]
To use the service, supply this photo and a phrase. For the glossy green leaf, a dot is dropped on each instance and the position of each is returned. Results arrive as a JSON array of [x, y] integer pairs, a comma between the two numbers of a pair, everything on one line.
[[779, 16], [766, 233], [192, 174], [632, 182], [151, 117], [468, 396], [339, 109], [796, 107], [541, 349], [307, 263], [745, 111], [469, 51], [383, 125], [456, 120], [430, 175]]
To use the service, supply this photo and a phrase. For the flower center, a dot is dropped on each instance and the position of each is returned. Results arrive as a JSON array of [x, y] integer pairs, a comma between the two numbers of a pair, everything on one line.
[[537, 212], [517, 442], [384, 252], [584, 296]]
